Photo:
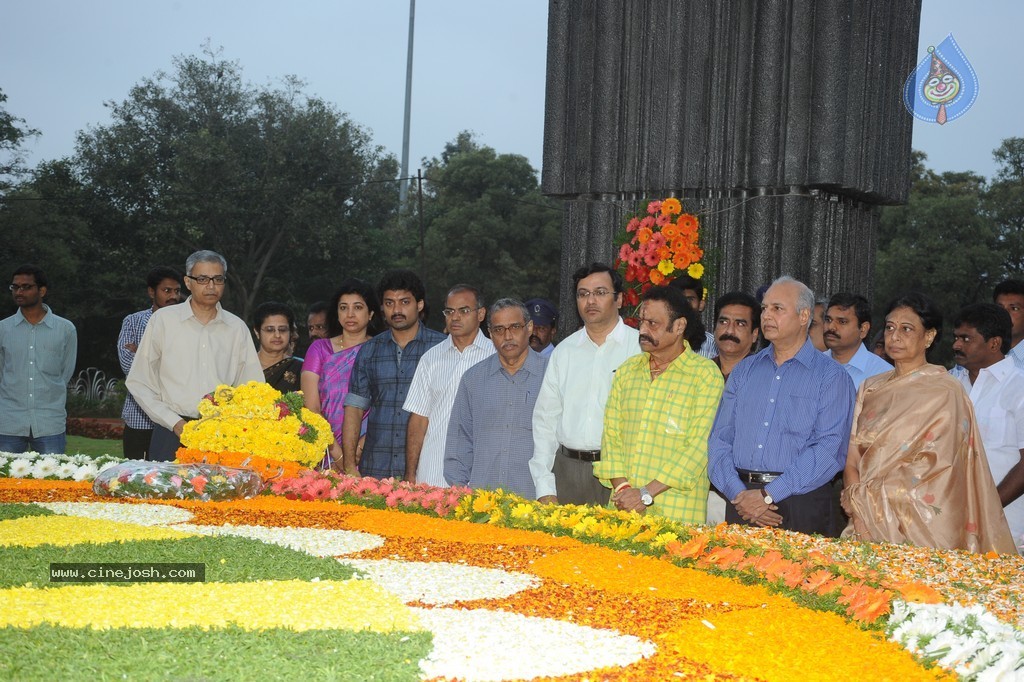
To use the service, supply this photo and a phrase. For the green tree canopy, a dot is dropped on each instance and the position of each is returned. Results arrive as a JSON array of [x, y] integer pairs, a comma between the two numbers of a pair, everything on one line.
[[12, 134], [488, 225]]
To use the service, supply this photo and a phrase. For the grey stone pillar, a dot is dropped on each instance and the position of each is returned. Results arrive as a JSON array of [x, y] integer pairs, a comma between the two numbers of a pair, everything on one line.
[[779, 122]]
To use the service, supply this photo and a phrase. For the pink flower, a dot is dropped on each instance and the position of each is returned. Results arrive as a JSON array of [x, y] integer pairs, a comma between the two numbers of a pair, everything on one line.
[[176, 481], [654, 207], [648, 222], [656, 241], [662, 220], [632, 225], [625, 252]]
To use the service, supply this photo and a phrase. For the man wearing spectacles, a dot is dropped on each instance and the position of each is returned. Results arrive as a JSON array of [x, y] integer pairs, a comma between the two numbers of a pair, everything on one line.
[[568, 421], [188, 350], [37, 358], [490, 433], [437, 377], [164, 289]]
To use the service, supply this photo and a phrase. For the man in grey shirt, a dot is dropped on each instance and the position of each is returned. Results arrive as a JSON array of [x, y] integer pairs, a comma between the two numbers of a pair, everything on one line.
[[490, 432]]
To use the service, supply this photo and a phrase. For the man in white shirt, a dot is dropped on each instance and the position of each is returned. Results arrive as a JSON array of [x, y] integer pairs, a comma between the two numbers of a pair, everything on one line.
[[847, 322], [981, 338], [436, 381], [186, 351], [568, 419], [1009, 294]]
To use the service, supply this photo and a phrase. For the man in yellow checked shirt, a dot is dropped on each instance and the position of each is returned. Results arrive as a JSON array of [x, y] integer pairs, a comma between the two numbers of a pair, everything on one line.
[[654, 451]]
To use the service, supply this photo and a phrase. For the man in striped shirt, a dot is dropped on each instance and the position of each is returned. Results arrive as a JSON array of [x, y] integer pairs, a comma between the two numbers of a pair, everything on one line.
[[163, 285], [783, 427], [437, 377]]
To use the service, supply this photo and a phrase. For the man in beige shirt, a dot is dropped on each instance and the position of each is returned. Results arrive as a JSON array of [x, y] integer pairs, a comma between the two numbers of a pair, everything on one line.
[[187, 351]]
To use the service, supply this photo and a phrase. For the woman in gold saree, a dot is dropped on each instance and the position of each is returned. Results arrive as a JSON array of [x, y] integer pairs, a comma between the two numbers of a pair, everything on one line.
[[916, 471]]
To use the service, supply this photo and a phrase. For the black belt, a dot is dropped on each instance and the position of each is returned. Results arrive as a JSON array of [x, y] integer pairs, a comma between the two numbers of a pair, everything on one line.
[[583, 455], [757, 477]]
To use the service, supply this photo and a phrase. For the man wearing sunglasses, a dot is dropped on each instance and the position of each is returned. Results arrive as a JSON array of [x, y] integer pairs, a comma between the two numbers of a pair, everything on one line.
[[188, 350], [37, 358]]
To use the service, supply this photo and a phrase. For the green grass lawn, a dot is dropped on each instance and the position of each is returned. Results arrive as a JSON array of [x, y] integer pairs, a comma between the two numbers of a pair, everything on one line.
[[93, 446]]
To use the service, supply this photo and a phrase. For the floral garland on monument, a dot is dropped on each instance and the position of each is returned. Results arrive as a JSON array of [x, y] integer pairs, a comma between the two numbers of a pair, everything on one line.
[[272, 431], [655, 247]]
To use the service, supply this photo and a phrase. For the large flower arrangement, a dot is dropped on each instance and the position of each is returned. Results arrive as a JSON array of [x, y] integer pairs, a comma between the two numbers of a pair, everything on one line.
[[258, 419], [655, 247]]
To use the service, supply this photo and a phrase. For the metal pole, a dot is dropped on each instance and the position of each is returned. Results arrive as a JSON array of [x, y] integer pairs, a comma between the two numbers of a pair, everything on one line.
[[403, 187], [423, 232]]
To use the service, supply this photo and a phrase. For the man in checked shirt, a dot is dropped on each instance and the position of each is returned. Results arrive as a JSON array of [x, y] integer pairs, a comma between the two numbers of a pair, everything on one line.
[[164, 289]]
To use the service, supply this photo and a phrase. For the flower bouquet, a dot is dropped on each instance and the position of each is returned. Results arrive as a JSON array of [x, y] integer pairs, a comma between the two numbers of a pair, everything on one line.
[[273, 430], [169, 481], [655, 247]]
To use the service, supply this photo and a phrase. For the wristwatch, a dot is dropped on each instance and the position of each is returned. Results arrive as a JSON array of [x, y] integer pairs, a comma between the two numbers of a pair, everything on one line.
[[646, 497], [767, 498]]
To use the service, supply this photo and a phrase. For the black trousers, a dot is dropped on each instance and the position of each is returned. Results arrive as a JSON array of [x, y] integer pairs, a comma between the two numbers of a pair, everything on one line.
[[812, 512], [136, 442], [163, 445]]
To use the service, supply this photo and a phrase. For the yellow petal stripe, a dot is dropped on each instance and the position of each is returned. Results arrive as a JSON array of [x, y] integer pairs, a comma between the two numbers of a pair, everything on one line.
[[31, 531], [296, 604]]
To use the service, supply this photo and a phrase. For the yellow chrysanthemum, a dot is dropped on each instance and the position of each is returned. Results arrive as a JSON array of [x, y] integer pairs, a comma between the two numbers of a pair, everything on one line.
[[666, 267], [696, 270]]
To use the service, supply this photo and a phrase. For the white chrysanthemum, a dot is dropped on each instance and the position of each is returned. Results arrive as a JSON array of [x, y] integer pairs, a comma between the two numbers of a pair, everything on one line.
[[47, 466], [85, 473], [141, 514], [20, 468], [65, 471], [442, 583], [107, 465]]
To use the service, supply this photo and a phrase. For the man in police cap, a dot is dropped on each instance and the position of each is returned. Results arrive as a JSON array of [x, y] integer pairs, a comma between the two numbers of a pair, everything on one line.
[[545, 322]]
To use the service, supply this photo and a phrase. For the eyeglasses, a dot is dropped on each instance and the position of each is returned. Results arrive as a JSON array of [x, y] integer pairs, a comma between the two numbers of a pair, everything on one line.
[[582, 294], [203, 280], [464, 310], [22, 287], [279, 330], [501, 329]]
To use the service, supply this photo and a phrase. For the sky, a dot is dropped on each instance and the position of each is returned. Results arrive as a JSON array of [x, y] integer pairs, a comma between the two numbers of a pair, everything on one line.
[[479, 65]]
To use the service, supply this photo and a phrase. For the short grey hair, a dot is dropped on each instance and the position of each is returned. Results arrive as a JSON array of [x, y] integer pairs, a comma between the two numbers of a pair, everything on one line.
[[459, 288], [205, 257], [504, 304], [804, 296]]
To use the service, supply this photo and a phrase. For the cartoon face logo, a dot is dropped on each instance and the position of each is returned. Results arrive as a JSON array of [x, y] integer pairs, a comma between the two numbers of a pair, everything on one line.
[[941, 89]]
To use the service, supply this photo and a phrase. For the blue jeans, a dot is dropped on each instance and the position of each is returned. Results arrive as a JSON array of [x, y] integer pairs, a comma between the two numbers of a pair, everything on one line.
[[46, 445]]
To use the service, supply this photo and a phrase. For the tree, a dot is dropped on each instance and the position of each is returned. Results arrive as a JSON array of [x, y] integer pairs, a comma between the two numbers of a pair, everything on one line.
[[283, 184], [12, 134], [1004, 203], [488, 225], [940, 243]]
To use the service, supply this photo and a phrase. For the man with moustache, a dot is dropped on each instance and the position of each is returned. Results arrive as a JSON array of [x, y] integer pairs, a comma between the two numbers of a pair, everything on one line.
[[163, 285], [817, 330], [782, 430], [737, 328], [847, 323], [659, 412], [545, 320], [1010, 295], [381, 376], [37, 358], [188, 350], [437, 377], [569, 417], [490, 433], [981, 340]]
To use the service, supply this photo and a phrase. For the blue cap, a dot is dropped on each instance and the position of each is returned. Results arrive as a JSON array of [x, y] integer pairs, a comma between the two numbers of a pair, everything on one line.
[[542, 312]]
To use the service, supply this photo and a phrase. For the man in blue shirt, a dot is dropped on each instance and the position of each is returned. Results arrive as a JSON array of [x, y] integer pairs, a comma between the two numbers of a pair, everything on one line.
[[164, 289], [783, 426], [847, 323], [37, 358], [490, 433], [381, 377]]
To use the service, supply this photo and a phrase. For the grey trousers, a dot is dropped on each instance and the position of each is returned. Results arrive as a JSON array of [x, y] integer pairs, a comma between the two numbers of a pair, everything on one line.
[[576, 483]]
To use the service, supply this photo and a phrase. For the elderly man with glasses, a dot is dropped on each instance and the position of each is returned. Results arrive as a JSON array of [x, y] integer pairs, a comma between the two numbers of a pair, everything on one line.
[[186, 351], [490, 432], [37, 358], [437, 377]]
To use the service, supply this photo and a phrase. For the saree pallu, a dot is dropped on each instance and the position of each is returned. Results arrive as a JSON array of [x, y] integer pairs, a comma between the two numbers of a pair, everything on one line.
[[334, 376], [924, 478], [284, 375]]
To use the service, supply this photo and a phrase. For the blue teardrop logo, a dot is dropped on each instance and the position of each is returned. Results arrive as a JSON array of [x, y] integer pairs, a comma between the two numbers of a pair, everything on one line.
[[943, 86]]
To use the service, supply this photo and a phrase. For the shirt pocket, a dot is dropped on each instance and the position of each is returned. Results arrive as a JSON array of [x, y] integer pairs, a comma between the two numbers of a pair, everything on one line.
[[798, 415], [49, 356]]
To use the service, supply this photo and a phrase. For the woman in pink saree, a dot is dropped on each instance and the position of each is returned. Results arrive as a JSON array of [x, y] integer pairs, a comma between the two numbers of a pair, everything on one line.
[[916, 471]]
